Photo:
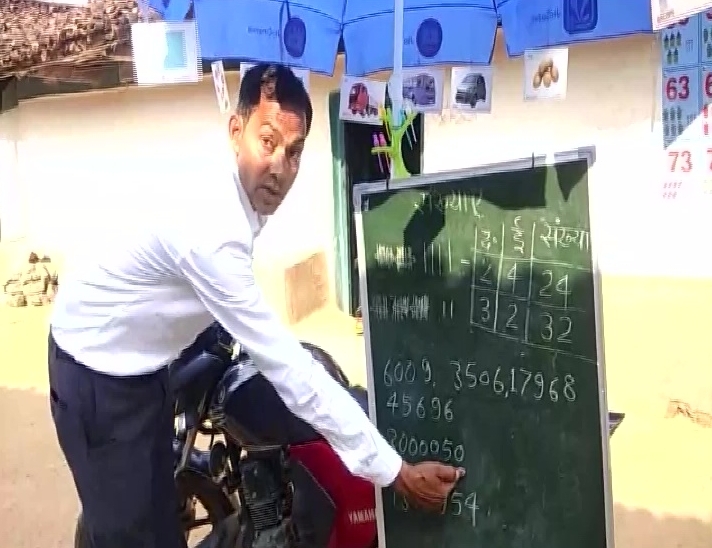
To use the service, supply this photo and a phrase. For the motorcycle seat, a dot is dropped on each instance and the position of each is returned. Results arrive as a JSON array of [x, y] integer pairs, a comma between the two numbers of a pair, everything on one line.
[[360, 394], [198, 374]]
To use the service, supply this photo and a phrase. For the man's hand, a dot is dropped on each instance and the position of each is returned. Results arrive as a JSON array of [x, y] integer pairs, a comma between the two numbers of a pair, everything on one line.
[[427, 484]]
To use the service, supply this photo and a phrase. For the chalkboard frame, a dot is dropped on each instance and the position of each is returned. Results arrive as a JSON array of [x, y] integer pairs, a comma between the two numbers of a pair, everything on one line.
[[361, 193]]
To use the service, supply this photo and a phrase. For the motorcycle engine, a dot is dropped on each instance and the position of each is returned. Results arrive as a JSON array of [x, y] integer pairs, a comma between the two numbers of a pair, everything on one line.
[[266, 493]]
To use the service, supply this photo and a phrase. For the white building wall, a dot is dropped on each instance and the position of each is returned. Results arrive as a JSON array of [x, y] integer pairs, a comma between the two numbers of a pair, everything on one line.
[[12, 201], [89, 155]]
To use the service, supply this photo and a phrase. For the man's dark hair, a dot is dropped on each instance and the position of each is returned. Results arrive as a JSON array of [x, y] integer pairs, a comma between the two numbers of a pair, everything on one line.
[[274, 83]]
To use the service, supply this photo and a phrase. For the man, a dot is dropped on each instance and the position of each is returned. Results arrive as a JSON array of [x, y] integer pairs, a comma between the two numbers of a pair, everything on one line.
[[177, 263]]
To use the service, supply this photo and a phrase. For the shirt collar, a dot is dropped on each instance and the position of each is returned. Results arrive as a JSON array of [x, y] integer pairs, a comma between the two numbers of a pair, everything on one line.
[[256, 220]]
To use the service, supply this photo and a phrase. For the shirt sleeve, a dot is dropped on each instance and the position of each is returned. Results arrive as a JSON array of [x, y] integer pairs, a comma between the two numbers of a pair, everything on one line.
[[223, 279]]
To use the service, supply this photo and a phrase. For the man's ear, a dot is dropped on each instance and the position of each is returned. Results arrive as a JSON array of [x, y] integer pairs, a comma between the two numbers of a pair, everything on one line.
[[235, 129]]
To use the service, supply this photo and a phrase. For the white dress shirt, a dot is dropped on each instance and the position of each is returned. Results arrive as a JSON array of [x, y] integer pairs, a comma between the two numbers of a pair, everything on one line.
[[161, 277]]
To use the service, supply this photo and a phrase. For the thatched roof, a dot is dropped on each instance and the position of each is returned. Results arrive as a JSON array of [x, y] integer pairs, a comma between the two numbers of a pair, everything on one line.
[[35, 34]]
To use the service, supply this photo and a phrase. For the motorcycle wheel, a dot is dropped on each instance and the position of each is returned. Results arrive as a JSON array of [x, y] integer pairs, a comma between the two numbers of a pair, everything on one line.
[[192, 487]]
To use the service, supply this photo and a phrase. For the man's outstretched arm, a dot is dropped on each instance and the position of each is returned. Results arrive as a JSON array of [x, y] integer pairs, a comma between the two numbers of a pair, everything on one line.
[[223, 279]]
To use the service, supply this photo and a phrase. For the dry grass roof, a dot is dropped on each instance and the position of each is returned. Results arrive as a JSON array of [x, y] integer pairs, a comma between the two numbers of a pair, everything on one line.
[[35, 34]]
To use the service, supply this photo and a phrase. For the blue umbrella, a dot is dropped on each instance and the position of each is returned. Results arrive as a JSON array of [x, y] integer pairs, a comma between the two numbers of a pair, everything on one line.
[[307, 33], [531, 24], [302, 33], [453, 32], [460, 31]]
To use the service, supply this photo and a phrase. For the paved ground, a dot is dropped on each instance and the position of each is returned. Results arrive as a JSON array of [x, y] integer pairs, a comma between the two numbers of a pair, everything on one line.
[[662, 468]]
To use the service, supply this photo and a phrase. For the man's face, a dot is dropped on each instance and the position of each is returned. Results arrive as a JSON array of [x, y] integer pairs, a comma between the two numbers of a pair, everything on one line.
[[268, 146]]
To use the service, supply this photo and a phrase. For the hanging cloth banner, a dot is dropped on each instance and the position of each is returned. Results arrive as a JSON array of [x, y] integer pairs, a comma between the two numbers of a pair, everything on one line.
[[666, 12], [534, 24], [302, 35], [299, 34], [459, 32]]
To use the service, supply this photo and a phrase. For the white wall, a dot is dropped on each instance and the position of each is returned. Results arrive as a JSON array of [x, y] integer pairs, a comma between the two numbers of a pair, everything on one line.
[[84, 155], [12, 202], [85, 158]]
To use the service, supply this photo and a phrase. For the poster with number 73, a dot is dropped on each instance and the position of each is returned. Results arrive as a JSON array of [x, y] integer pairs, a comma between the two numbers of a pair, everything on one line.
[[687, 173]]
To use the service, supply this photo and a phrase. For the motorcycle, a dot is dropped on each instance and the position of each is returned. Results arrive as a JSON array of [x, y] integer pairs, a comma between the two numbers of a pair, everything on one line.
[[266, 478]]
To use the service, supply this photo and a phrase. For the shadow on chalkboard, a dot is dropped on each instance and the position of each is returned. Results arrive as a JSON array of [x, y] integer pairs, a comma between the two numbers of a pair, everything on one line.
[[504, 192], [422, 228], [566, 185]]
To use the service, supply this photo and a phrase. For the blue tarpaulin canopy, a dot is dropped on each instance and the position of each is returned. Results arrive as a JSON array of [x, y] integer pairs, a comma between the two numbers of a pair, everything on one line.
[[530, 24], [307, 33]]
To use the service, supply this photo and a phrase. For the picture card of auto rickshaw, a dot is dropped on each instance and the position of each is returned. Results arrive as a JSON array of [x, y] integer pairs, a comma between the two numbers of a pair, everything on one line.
[[165, 52], [221, 91], [361, 99], [546, 73], [423, 89], [471, 88], [301, 73]]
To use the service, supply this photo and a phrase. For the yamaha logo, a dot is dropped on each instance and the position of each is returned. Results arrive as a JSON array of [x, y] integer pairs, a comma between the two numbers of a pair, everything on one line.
[[358, 517]]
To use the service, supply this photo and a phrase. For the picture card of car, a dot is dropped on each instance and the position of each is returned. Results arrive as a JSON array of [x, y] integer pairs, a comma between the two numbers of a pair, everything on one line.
[[302, 74], [165, 52], [220, 84], [423, 89], [471, 88], [546, 73], [360, 100]]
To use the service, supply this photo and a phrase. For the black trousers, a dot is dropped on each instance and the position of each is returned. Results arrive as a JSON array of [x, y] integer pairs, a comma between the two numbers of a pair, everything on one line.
[[116, 434]]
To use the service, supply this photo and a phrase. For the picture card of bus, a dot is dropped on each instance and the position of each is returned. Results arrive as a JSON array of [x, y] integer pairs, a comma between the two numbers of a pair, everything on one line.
[[471, 88], [302, 74], [360, 100], [423, 89]]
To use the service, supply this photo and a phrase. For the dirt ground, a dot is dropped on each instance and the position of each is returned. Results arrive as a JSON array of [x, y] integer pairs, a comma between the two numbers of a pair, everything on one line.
[[662, 468]]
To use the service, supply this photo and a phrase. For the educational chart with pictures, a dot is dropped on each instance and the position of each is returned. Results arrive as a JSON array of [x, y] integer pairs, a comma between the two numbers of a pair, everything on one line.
[[686, 109]]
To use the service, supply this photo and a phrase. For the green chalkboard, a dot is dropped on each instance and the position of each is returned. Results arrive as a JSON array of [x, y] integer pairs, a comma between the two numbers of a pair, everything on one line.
[[481, 327]]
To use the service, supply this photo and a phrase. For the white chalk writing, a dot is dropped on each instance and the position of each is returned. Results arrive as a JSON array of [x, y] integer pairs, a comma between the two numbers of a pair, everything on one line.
[[400, 307]]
